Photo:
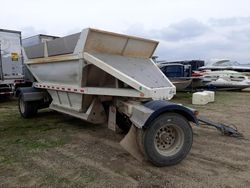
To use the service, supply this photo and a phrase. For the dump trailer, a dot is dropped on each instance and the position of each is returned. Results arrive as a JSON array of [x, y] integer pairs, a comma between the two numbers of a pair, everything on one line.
[[11, 61], [103, 77]]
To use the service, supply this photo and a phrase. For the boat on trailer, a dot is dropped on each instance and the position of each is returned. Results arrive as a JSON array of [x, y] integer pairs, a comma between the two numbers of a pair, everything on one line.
[[225, 80], [225, 64]]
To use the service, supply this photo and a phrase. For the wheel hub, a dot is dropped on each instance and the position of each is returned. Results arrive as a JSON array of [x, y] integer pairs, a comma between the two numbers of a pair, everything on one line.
[[165, 138]]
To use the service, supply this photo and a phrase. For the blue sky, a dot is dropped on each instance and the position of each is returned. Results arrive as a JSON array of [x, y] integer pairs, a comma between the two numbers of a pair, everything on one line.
[[186, 29]]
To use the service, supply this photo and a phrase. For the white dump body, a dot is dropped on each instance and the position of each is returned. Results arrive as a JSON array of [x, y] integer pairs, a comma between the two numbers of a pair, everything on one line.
[[96, 62]]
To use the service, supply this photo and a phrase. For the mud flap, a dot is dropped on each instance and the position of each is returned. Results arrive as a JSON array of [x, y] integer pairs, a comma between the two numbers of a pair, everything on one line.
[[129, 143]]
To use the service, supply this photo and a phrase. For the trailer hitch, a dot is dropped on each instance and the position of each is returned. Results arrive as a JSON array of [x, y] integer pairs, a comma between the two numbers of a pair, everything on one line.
[[226, 130]]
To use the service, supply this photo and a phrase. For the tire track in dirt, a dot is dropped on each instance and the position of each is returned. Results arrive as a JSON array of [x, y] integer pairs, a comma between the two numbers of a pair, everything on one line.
[[65, 170], [229, 150], [124, 165], [84, 145], [18, 176], [82, 172], [116, 178], [122, 162], [201, 167]]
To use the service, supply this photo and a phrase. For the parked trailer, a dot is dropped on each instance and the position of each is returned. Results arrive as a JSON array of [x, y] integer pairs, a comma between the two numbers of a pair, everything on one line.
[[101, 77], [11, 61]]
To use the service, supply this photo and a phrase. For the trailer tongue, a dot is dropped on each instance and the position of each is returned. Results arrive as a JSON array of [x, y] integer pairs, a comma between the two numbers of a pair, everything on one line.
[[101, 77]]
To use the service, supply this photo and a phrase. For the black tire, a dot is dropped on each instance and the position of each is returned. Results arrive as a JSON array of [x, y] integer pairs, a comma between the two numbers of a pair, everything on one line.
[[26, 109], [123, 122], [168, 140]]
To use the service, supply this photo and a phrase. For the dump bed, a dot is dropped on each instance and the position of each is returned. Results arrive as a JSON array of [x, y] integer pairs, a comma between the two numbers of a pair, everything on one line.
[[124, 57]]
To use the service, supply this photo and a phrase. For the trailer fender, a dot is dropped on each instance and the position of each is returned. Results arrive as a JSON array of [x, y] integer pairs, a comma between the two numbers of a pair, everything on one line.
[[32, 94], [159, 107]]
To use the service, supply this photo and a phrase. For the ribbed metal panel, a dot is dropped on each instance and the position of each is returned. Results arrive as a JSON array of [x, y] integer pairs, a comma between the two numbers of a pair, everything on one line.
[[64, 45], [36, 51]]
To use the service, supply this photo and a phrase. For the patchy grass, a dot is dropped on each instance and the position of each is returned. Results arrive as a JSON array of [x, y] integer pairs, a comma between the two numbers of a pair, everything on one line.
[[20, 136], [5, 160], [32, 144]]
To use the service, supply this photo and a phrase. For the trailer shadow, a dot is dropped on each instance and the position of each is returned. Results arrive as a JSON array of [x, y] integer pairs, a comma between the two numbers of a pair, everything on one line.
[[4, 98], [64, 119]]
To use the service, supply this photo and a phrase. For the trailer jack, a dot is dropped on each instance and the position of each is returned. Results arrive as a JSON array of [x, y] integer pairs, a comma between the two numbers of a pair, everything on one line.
[[226, 130]]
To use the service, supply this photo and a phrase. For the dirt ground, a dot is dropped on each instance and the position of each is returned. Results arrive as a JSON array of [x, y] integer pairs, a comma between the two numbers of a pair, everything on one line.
[[55, 150]]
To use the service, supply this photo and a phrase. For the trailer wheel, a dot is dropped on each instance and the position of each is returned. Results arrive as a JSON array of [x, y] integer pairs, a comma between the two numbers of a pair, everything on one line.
[[26, 109], [168, 140]]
